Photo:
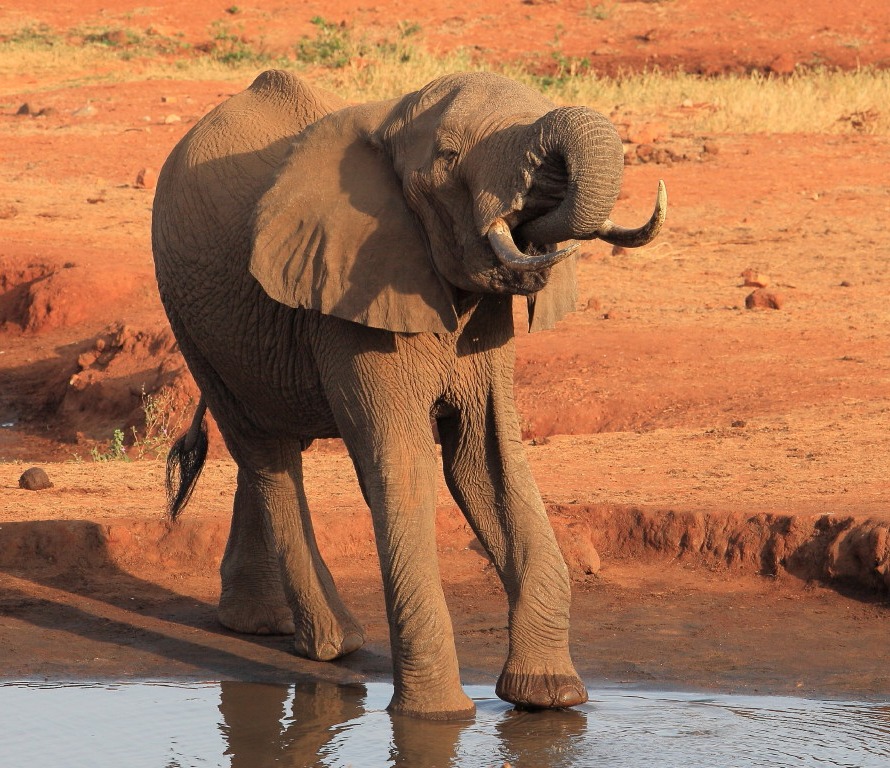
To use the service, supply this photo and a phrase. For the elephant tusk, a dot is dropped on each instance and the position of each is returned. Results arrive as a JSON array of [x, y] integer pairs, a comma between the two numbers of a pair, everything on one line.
[[509, 255], [634, 238]]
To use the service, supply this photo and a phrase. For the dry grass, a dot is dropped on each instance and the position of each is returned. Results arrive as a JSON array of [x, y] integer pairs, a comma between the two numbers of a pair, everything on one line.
[[362, 69], [819, 101]]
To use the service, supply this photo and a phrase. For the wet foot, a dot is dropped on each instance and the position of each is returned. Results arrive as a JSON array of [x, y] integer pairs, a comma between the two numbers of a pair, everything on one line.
[[432, 704], [540, 690]]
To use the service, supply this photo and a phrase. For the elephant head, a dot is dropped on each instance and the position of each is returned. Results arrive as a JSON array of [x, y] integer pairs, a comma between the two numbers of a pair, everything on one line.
[[395, 214]]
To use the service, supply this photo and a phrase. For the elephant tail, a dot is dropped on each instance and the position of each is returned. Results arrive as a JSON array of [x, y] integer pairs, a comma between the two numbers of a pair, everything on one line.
[[185, 462]]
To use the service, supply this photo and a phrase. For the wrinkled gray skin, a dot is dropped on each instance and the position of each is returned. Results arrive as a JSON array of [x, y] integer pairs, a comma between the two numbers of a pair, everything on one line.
[[327, 272]]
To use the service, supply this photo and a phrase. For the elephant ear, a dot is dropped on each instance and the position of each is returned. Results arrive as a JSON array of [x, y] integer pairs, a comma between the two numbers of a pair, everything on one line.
[[333, 233], [556, 299]]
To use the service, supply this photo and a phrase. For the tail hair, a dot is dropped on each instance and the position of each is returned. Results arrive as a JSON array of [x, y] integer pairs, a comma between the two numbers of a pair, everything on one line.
[[185, 462]]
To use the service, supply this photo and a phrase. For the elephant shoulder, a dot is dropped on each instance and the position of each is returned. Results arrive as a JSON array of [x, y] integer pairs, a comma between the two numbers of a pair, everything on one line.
[[304, 102], [255, 127], [230, 156]]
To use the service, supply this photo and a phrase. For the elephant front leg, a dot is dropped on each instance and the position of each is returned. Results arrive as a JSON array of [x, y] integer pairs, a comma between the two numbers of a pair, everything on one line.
[[400, 490], [397, 468], [380, 388], [487, 472]]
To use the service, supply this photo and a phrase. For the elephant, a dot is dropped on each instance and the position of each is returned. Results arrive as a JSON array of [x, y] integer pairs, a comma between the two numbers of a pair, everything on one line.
[[338, 270]]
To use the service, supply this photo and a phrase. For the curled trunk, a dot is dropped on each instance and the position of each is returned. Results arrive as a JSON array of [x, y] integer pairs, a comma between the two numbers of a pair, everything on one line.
[[588, 146], [586, 151]]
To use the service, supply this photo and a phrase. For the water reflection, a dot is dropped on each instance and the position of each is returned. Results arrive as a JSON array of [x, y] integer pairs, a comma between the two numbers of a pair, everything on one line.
[[322, 725], [267, 724], [325, 726]]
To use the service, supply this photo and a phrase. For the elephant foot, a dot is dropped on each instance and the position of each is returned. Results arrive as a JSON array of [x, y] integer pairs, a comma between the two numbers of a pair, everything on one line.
[[255, 617], [431, 704], [540, 689], [330, 642]]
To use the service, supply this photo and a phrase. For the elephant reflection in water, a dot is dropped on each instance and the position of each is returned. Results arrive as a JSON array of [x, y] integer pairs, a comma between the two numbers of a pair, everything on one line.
[[282, 725], [254, 715]]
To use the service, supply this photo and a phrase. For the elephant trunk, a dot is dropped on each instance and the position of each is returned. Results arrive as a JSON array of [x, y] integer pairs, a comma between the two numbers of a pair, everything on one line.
[[582, 149], [589, 150]]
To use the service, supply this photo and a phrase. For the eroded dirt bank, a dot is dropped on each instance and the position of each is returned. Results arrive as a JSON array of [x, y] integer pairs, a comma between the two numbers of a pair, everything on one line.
[[840, 551], [727, 599]]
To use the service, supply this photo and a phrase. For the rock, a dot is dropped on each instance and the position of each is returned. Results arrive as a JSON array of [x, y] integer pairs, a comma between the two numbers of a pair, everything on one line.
[[146, 178], [752, 278], [172, 119], [646, 133], [650, 153], [87, 110], [25, 110], [575, 543], [764, 299], [34, 479]]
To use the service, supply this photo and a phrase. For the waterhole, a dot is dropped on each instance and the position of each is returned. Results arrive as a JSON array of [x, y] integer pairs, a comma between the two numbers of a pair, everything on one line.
[[166, 725]]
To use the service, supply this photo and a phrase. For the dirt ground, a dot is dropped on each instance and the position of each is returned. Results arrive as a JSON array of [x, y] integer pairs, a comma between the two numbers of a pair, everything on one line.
[[715, 474]]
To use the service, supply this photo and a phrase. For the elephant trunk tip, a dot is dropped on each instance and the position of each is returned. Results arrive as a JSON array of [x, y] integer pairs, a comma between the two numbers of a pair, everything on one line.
[[185, 462]]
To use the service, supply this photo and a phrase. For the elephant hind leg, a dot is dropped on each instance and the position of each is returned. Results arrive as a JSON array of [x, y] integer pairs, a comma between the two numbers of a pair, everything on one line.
[[274, 580], [252, 599]]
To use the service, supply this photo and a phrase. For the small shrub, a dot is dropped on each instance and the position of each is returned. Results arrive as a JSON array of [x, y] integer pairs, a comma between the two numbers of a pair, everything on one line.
[[40, 36], [331, 47], [164, 420], [115, 450], [600, 11], [111, 38]]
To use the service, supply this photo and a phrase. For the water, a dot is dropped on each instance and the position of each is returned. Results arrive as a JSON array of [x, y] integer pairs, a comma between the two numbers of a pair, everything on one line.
[[320, 724]]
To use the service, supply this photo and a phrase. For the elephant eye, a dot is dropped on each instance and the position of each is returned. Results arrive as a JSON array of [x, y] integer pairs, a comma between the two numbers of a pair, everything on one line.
[[448, 157]]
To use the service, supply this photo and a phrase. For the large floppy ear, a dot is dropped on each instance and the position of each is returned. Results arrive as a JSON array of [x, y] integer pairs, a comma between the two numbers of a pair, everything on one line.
[[333, 233], [556, 299]]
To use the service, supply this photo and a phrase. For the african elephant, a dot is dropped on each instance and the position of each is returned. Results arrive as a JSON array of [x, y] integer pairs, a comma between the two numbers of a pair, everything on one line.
[[334, 270]]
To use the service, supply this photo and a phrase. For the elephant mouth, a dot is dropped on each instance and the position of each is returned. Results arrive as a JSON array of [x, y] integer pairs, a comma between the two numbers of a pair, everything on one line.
[[505, 279], [522, 268], [504, 245]]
